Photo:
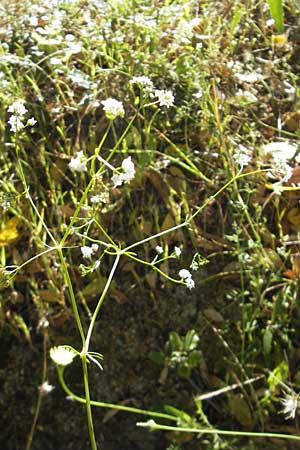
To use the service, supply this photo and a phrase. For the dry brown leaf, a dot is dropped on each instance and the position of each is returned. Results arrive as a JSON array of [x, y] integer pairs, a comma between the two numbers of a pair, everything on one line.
[[240, 410], [293, 216]]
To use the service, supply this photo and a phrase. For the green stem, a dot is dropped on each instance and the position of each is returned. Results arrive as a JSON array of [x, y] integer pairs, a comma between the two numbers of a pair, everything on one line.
[[154, 267], [100, 301], [71, 293], [73, 220], [154, 426], [34, 422], [112, 405], [18, 268], [154, 236], [223, 188], [98, 149], [88, 402]]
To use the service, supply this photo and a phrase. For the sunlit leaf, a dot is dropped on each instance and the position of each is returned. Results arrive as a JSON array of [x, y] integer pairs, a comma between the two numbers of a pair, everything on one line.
[[9, 232], [276, 10]]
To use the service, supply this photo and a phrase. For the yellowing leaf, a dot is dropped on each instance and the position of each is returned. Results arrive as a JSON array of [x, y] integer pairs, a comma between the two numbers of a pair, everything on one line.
[[9, 232]]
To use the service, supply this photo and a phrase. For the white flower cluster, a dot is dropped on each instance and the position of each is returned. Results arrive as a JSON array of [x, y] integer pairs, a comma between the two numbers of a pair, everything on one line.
[[113, 108], [87, 252], [127, 175], [62, 355], [176, 251], [187, 277], [252, 77], [165, 97], [18, 111], [143, 81], [280, 150], [281, 153], [78, 164], [242, 155]]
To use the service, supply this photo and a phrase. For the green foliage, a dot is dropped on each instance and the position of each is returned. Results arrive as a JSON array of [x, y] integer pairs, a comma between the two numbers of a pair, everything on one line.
[[181, 353], [276, 10]]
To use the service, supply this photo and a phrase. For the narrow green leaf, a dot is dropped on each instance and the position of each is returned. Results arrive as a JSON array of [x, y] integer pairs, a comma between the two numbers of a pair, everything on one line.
[[176, 341], [276, 10], [267, 341]]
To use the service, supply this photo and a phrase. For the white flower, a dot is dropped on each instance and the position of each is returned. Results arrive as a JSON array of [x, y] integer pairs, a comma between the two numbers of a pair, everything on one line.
[[78, 164], [165, 98], [198, 94], [280, 170], [96, 198], [15, 123], [190, 283], [86, 251], [159, 249], [31, 121], [143, 81], [290, 403], [177, 251], [62, 355], [54, 61], [194, 265], [46, 388], [270, 22], [187, 277], [113, 108], [117, 179], [129, 170], [249, 77], [242, 155], [246, 95], [17, 108], [95, 247], [280, 150], [184, 273], [127, 175]]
